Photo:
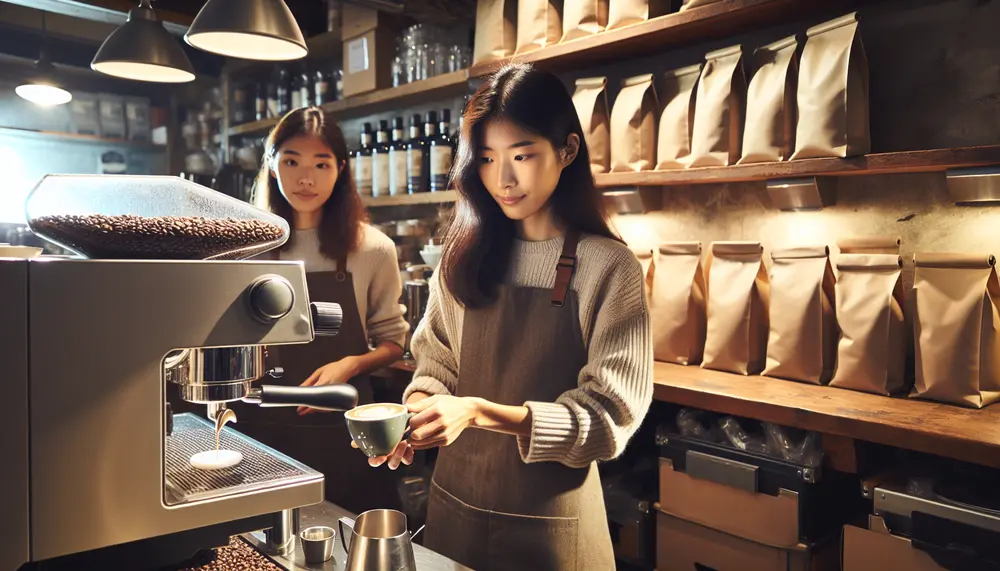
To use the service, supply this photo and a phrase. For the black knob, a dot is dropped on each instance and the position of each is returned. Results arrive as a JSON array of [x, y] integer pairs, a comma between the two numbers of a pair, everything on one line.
[[326, 318], [271, 298]]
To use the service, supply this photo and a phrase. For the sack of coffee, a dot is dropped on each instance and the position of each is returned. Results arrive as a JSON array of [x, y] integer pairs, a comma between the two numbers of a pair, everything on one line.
[[738, 300], [869, 245], [718, 116], [673, 147], [802, 344], [633, 126], [645, 258], [591, 102], [624, 12], [832, 94], [956, 329], [769, 132], [583, 18], [539, 24], [871, 354], [677, 304], [496, 30], [688, 4]]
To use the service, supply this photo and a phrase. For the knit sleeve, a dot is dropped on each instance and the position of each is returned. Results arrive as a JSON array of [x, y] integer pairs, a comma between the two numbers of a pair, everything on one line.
[[435, 345], [385, 321], [595, 421]]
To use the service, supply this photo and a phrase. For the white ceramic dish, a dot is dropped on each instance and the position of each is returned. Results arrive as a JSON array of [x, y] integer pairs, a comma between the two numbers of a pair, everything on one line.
[[432, 259]]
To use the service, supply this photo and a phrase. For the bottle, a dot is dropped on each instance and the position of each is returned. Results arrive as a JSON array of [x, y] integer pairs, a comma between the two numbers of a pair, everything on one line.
[[295, 93], [352, 163], [321, 89], [284, 91], [380, 160], [260, 102], [397, 159], [430, 132], [442, 151], [240, 104], [363, 163], [305, 89], [272, 100], [415, 172]]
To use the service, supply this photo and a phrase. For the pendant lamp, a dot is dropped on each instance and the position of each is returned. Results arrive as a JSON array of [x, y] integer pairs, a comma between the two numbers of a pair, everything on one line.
[[143, 50], [251, 29], [42, 88]]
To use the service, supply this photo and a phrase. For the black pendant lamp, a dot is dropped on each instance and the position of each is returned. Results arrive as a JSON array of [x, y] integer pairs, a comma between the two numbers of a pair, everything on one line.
[[143, 50], [251, 29], [42, 88]]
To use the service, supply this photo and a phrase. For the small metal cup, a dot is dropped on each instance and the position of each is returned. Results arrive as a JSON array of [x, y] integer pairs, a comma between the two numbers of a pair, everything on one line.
[[317, 543]]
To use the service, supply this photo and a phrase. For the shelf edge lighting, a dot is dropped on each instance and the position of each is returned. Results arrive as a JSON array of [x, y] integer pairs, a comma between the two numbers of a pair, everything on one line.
[[250, 29], [141, 49]]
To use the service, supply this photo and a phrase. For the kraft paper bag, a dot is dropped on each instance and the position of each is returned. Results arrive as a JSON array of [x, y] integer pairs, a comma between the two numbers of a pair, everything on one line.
[[802, 344], [673, 148], [738, 300], [645, 258], [871, 353], [583, 18], [633, 126], [955, 329], [718, 115], [591, 102], [677, 304], [624, 12], [496, 30], [769, 131], [539, 24], [869, 245], [832, 94], [688, 4]]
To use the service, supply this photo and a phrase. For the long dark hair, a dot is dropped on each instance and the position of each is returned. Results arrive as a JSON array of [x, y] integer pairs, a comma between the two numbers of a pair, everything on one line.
[[480, 237], [343, 213]]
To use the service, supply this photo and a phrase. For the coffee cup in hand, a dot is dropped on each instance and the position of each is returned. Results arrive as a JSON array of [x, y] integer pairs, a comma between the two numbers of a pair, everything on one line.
[[378, 428]]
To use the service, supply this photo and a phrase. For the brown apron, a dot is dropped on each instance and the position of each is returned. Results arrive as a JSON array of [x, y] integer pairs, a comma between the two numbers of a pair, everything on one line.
[[487, 508]]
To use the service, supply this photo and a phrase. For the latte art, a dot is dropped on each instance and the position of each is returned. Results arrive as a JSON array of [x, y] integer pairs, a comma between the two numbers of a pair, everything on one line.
[[376, 412]]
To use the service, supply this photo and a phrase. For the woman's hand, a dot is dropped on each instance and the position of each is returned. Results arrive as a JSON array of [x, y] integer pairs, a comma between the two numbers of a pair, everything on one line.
[[331, 374], [403, 453], [440, 420]]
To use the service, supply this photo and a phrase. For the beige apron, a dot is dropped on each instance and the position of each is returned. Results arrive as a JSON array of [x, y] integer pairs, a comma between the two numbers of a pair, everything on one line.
[[488, 509]]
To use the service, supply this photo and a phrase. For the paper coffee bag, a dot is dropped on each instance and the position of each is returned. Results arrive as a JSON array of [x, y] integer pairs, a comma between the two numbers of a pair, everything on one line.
[[688, 4], [718, 116], [496, 30], [645, 258], [539, 24], [869, 245], [583, 18], [832, 94], [956, 329], [802, 343], [624, 12], [871, 353], [677, 304], [738, 300], [591, 102], [769, 131], [673, 147], [633, 126]]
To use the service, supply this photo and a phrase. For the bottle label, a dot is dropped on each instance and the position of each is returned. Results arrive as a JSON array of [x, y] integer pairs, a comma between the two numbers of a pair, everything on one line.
[[296, 99], [380, 174], [397, 172], [304, 96], [272, 107], [321, 90], [440, 167], [415, 169], [363, 175]]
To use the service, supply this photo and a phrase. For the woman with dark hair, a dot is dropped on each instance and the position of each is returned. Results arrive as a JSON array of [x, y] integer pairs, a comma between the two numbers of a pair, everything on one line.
[[534, 357], [306, 179]]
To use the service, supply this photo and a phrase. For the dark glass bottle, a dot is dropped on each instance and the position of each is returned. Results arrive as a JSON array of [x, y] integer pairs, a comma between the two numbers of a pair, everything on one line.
[[284, 91], [430, 132], [305, 88], [321, 88], [397, 159], [416, 173], [380, 160], [442, 152], [363, 162], [260, 101]]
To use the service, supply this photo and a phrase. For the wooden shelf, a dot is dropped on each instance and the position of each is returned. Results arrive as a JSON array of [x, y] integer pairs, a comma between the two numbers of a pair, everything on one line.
[[439, 87], [85, 138], [937, 160], [410, 199], [717, 20], [965, 434]]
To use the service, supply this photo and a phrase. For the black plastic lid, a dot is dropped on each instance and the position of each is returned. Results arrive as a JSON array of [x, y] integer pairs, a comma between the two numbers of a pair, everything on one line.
[[383, 125], [397, 123], [446, 115], [432, 117], [367, 128], [416, 120]]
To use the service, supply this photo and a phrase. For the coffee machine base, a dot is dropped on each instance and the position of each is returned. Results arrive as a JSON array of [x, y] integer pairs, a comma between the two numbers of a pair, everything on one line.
[[173, 551]]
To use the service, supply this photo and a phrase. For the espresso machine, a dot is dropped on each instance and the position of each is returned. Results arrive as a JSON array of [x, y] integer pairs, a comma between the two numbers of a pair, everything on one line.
[[96, 460]]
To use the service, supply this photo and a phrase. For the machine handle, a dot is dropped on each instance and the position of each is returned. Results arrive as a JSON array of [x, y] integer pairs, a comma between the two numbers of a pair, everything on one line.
[[338, 397], [326, 318]]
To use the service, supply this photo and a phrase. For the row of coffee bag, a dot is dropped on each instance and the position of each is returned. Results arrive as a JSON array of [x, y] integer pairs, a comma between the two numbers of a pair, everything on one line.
[[801, 103], [508, 27], [798, 322]]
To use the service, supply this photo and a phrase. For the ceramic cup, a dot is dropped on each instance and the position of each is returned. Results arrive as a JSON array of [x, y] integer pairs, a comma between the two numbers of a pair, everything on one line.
[[378, 428]]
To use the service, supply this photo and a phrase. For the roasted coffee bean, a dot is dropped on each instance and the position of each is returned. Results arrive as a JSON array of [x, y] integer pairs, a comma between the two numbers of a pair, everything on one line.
[[157, 237], [237, 556]]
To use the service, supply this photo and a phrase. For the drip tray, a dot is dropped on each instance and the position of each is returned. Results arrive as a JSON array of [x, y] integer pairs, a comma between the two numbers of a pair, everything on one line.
[[262, 467]]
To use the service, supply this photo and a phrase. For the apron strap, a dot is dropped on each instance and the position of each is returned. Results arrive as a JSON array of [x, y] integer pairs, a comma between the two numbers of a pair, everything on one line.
[[342, 267], [565, 267]]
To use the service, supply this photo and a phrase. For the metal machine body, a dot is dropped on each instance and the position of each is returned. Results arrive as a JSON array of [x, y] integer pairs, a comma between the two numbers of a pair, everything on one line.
[[83, 347]]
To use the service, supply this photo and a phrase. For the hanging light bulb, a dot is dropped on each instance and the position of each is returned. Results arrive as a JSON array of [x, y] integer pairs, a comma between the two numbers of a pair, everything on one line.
[[42, 88], [251, 29], [143, 50]]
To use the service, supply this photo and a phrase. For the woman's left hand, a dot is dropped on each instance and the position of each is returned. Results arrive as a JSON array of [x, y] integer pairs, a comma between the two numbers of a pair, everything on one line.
[[440, 420], [333, 373]]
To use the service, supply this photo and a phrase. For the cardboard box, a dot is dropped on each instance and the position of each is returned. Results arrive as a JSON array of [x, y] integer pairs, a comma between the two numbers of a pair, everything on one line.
[[684, 546], [137, 119], [770, 520], [369, 48], [356, 20], [876, 549], [112, 110]]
